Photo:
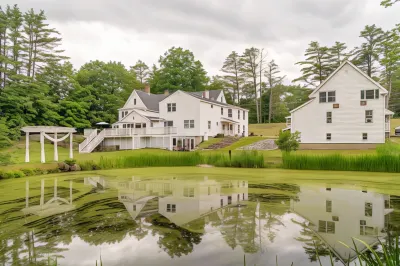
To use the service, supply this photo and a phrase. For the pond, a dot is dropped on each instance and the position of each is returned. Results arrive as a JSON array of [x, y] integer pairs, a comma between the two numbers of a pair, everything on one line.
[[193, 217]]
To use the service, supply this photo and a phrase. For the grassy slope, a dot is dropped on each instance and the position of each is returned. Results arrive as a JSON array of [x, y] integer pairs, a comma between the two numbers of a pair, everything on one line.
[[209, 142], [267, 130]]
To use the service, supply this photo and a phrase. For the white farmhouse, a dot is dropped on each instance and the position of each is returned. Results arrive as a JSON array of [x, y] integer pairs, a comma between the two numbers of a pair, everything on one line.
[[348, 110], [337, 215], [169, 121]]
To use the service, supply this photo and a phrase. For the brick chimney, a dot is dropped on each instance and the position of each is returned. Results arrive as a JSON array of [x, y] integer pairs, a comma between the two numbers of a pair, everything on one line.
[[147, 89], [166, 92], [206, 94]]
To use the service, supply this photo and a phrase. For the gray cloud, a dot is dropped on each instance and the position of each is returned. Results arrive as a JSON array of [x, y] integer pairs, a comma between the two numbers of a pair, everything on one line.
[[211, 29]]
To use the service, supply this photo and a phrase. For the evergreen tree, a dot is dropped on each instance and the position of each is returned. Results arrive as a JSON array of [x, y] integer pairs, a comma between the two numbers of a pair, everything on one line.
[[233, 77], [273, 79], [317, 65], [367, 55], [339, 54], [16, 41], [141, 70], [3, 46], [388, 3]]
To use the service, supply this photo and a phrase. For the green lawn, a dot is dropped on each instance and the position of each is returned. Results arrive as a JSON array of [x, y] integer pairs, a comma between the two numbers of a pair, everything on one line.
[[267, 130]]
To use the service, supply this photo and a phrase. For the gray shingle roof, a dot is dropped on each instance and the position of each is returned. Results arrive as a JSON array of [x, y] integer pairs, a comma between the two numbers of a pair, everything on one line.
[[151, 100], [212, 93]]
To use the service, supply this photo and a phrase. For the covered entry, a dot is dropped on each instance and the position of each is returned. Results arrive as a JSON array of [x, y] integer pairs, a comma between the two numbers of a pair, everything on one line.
[[230, 127]]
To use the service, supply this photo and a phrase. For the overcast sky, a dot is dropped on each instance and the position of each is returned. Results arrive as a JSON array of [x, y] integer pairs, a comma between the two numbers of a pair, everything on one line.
[[128, 30]]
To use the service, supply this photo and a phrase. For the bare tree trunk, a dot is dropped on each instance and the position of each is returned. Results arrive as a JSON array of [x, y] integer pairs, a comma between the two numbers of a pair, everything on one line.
[[270, 105]]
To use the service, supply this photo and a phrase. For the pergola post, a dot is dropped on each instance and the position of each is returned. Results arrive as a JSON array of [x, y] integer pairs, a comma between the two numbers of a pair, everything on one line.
[[42, 155], [27, 147], [55, 147], [71, 152]]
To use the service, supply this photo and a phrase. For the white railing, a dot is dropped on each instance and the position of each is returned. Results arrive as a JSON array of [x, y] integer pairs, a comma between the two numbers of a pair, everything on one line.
[[89, 138], [387, 126], [111, 132], [93, 144], [88, 131]]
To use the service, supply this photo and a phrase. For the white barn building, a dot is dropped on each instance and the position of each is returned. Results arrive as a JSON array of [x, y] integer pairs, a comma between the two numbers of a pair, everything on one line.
[[348, 110], [180, 120]]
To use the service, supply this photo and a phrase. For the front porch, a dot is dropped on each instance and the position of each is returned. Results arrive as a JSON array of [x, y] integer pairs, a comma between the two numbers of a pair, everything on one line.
[[230, 127]]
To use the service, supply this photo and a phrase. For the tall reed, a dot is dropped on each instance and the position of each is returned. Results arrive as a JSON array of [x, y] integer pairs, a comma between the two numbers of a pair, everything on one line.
[[243, 159], [370, 163]]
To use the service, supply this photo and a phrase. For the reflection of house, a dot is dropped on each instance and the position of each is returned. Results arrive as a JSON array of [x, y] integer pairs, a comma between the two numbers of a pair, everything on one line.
[[339, 215], [181, 201], [54, 205]]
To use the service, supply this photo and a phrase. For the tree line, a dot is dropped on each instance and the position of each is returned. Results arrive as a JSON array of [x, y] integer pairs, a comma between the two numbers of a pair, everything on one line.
[[39, 86]]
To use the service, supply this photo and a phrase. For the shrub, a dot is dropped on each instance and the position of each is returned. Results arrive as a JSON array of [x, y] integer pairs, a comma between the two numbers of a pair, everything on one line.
[[70, 162], [89, 166], [5, 158], [18, 174], [287, 141], [28, 172]]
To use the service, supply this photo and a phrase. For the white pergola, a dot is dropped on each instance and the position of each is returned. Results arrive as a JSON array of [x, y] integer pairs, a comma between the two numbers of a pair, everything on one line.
[[44, 131]]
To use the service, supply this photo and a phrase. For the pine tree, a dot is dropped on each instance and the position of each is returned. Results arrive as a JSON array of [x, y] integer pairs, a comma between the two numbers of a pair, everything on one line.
[[367, 55], [16, 39], [249, 69], [316, 67], [232, 68], [141, 71], [273, 79], [339, 54], [3, 46], [389, 49]]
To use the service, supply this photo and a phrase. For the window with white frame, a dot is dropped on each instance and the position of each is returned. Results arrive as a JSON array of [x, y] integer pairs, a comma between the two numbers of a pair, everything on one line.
[[134, 101], [327, 96], [212, 106], [222, 110], [171, 207], [368, 209], [369, 94], [244, 128], [188, 192], [244, 115], [366, 230], [188, 123], [329, 117], [238, 114], [238, 129], [209, 124], [364, 136], [171, 107], [328, 136], [368, 116], [229, 112], [326, 227], [168, 123], [328, 206]]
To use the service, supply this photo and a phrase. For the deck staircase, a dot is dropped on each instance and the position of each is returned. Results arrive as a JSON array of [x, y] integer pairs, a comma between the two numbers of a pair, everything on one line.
[[91, 142]]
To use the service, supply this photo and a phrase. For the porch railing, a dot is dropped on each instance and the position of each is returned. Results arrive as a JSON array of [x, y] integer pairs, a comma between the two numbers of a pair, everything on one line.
[[110, 132]]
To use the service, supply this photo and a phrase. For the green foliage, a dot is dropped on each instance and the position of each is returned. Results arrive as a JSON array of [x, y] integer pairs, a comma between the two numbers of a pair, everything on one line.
[[233, 76], [141, 71], [5, 158], [11, 174], [179, 70], [239, 159], [70, 162], [337, 162], [389, 148], [388, 3], [287, 141]]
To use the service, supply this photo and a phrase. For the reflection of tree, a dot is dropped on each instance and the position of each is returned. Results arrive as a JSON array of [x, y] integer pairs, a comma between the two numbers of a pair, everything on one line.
[[312, 244], [174, 240]]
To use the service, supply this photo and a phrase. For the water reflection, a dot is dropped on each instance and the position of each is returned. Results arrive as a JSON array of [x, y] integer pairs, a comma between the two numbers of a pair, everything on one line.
[[180, 221], [337, 215]]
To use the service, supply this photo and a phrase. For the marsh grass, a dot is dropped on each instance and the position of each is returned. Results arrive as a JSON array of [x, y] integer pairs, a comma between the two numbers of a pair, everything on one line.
[[338, 162], [243, 159]]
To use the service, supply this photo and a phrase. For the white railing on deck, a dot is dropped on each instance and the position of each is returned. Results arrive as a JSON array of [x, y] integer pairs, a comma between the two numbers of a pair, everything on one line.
[[89, 138], [93, 144], [111, 132], [387, 126]]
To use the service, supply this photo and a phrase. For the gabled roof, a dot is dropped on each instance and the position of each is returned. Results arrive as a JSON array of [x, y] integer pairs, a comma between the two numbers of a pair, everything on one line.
[[151, 100], [199, 95], [384, 91], [213, 94], [133, 111], [301, 106]]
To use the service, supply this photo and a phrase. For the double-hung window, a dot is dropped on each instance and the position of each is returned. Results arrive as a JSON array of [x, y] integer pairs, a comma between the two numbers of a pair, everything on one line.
[[171, 207], [209, 124], [327, 96], [229, 112], [222, 110], [369, 94], [188, 123], [329, 117], [368, 116], [171, 107], [238, 114], [326, 227]]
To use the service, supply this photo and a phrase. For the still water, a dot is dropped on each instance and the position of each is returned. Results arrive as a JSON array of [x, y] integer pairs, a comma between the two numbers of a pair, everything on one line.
[[185, 221]]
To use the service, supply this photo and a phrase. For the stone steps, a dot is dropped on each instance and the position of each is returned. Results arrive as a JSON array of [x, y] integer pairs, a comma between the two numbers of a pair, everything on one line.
[[227, 141]]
